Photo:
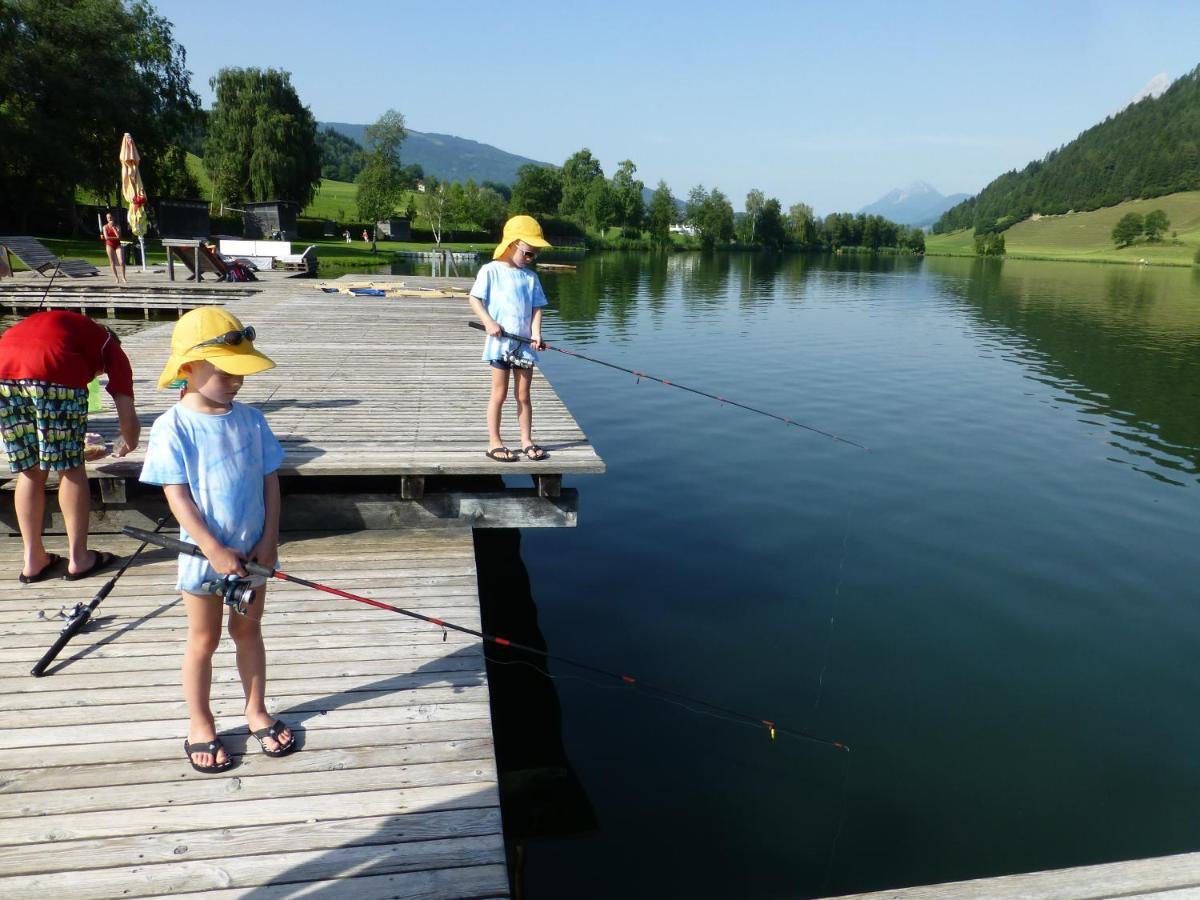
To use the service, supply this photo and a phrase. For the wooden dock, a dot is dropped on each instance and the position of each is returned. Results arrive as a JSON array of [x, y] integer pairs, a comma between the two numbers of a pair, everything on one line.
[[1160, 878], [394, 791]]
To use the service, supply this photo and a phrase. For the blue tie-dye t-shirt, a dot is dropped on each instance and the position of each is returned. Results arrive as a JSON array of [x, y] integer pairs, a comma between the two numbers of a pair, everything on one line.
[[223, 460], [510, 296]]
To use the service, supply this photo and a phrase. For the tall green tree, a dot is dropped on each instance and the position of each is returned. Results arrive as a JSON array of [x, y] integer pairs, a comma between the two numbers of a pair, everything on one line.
[[1155, 223], [755, 201], [262, 141], [772, 232], [1128, 229], [803, 225], [75, 75], [537, 192], [711, 213], [578, 174], [629, 207], [599, 208], [661, 215], [381, 182]]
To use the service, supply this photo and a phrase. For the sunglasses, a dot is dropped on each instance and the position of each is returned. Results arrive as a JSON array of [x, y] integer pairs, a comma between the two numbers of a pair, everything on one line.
[[528, 254], [232, 338]]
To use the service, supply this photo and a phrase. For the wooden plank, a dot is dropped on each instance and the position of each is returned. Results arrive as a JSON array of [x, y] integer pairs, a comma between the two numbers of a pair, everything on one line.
[[1161, 877], [395, 777]]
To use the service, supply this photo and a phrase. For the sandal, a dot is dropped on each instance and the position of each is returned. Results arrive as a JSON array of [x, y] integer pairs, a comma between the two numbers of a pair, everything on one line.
[[534, 452], [213, 747], [53, 559], [103, 559], [273, 731], [508, 455]]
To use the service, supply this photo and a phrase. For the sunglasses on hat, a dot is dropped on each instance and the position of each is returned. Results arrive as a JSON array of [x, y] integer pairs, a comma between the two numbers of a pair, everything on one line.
[[232, 338]]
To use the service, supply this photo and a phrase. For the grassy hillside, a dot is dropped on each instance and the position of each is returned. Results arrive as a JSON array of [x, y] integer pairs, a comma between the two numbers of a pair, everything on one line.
[[1088, 236], [334, 200]]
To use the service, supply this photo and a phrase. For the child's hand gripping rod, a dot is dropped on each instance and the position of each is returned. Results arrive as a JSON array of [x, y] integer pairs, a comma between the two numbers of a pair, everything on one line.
[[81, 615]]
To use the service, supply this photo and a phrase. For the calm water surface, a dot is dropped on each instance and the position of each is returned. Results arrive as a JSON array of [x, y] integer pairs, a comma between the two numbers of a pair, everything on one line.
[[996, 607]]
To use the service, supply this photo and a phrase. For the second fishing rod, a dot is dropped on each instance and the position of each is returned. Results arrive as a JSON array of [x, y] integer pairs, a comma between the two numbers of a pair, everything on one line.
[[232, 588], [544, 345]]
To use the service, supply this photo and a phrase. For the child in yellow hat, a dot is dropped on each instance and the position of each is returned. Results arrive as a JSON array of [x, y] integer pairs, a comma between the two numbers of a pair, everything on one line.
[[508, 297], [216, 460]]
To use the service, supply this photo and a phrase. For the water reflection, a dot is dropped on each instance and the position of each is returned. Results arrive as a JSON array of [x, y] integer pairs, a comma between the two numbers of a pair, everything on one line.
[[1120, 343]]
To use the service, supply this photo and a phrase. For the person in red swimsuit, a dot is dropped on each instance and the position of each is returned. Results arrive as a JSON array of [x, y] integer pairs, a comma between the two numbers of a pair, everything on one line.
[[111, 233], [46, 362]]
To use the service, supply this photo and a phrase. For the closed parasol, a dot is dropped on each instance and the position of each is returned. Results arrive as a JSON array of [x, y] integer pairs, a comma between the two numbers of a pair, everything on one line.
[[133, 192]]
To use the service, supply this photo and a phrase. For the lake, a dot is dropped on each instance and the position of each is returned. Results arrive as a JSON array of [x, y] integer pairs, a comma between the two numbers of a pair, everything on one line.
[[995, 607]]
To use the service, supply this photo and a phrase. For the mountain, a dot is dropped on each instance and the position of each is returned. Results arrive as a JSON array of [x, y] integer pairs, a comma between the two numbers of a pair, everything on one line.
[[919, 204], [1148, 149], [447, 157]]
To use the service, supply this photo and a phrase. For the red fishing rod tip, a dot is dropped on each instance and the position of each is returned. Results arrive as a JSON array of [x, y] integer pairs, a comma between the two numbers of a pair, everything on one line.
[[503, 642], [629, 679]]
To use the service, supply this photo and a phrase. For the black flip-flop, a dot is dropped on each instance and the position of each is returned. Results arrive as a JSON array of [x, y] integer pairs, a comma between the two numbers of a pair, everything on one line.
[[535, 453], [508, 456], [213, 747], [273, 731], [103, 560], [53, 560]]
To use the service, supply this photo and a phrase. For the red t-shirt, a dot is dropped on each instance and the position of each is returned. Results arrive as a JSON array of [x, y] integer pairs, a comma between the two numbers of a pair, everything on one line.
[[64, 348]]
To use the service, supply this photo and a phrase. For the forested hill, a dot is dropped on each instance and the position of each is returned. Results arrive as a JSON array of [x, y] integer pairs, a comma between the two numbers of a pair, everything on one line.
[[1149, 149]]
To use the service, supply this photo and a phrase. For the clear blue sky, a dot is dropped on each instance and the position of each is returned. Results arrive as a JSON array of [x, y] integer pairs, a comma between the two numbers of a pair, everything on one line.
[[831, 104]]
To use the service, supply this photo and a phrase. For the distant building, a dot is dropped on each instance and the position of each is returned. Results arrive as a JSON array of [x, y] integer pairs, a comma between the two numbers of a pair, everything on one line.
[[394, 229], [689, 230]]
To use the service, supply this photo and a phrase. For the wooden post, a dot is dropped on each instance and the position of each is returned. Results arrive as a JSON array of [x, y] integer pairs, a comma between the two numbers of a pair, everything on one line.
[[412, 487], [548, 485], [112, 490]]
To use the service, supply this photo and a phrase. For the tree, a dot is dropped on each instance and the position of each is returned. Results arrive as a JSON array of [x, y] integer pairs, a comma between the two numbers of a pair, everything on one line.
[[262, 141], [803, 225], [578, 173], [1127, 229], [755, 201], [74, 76], [538, 191], [661, 215], [598, 206], [1155, 223], [435, 204], [629, 207], [381, 182], [711, 214], [771, 230], [341, 158]]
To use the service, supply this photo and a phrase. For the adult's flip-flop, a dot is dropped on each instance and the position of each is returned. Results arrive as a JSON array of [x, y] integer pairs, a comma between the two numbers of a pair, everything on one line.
[[496, 454], [53, 559], [103, 560]]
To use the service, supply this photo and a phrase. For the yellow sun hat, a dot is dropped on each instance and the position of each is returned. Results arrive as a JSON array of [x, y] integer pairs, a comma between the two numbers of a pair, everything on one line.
[[520, 228], [211, 333]]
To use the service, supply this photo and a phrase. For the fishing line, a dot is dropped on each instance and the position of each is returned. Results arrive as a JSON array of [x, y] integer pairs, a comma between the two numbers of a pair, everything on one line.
[[46, 292], [773, 728], [640, 375]]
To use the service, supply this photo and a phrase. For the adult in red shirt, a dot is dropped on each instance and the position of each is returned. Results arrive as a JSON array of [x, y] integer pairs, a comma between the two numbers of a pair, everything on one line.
[[46, 362]]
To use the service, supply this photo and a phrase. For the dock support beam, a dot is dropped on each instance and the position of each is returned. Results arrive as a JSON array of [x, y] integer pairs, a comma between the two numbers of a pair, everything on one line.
[[548, 485], [412, 487]]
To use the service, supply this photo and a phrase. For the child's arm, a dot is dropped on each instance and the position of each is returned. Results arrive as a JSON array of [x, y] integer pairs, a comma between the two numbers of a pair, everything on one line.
[[266, 551], [490, 325], [536, 335], [224, 560]]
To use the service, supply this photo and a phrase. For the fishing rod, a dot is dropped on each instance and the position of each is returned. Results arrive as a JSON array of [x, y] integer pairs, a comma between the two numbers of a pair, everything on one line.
[[253, 568], [762, 412], [81, 615], [46, 292]]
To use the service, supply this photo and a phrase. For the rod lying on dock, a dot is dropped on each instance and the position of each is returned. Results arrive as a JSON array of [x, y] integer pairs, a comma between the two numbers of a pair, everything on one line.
[[254, 568], [81, 615], [762, 412]]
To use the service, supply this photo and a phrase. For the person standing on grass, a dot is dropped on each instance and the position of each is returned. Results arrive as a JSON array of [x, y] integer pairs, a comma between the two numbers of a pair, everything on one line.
[[46, 363], [508, 297], [216, 461]]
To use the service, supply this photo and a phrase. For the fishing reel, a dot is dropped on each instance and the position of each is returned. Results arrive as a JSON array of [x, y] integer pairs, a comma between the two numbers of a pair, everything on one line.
[[517, 358], [235, 592]]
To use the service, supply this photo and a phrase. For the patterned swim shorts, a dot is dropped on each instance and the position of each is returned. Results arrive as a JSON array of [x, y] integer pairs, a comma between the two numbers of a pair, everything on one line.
[[43, 424]]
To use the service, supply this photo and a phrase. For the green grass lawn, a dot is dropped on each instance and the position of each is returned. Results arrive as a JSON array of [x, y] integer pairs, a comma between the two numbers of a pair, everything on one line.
[[1088, 236]]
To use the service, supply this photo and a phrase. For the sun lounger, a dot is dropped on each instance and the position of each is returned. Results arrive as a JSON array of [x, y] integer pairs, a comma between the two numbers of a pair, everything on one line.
[[305, 261], [196, 255], [33, 255]]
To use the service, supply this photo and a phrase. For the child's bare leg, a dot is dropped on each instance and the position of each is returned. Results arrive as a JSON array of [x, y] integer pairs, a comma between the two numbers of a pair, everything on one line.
[[30, 502], [522, 381], [246, 631], [495, 405], [204, 633]]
